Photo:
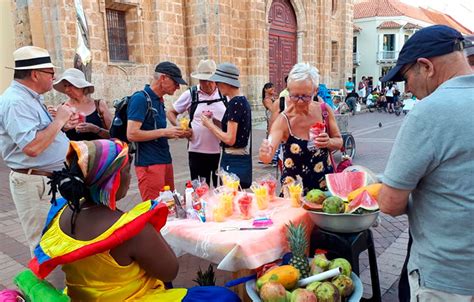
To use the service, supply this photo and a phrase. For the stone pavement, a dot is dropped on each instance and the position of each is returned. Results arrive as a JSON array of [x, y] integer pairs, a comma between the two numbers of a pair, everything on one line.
[[390, 235]]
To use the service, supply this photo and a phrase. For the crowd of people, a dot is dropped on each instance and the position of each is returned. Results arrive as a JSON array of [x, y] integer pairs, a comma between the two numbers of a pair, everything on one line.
[[68, 150]]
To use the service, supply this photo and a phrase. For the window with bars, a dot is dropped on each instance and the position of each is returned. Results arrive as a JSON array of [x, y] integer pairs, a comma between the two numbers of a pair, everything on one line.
[[117, 33]]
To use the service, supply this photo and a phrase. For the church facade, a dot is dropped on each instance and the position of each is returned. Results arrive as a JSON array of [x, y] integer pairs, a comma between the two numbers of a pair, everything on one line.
[[121, 41]]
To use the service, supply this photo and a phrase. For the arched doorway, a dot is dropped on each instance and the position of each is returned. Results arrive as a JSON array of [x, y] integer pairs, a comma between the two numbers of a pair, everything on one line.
[[282, 41]]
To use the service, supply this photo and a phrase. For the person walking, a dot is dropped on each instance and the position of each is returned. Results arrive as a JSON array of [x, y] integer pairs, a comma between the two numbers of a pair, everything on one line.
[[203, 99], [147, 127], [428, 172], [32, 143]]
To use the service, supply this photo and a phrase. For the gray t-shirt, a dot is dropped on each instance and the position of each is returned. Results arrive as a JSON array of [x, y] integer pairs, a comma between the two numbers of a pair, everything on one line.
[[433, 156], [22, 115]]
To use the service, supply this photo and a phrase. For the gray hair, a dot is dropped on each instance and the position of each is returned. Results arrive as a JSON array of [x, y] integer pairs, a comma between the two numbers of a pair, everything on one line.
[[302, 72], [157, 75]]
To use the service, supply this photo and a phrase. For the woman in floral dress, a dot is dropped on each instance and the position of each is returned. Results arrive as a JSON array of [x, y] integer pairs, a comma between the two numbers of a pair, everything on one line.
[[292, 129]]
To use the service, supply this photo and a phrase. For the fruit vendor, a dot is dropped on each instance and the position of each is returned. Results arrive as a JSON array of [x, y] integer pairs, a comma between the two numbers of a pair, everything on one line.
[[429, 172], [292, 128], [120, 256]]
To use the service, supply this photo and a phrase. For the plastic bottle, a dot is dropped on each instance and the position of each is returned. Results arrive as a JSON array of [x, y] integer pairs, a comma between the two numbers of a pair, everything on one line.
[[188, 195], [167, 197]]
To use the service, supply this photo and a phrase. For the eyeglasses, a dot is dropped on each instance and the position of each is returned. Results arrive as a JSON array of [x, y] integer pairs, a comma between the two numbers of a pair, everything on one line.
[[406, 70], [305, 98], [48, 72]]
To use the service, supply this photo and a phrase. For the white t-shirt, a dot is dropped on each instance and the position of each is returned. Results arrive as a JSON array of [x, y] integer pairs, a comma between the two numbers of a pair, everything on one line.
[[202, 141], [390, 91]]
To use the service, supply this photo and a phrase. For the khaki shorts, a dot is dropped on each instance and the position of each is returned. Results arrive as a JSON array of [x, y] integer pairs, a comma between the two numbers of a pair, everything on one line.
[[423, 294]]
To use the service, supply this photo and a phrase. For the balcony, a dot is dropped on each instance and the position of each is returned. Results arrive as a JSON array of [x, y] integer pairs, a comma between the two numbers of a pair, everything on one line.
[[356, 58], [387, 56]]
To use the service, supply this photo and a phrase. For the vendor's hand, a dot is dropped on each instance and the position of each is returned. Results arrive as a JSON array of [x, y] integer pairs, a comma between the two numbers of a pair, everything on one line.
[[265, 153], [206, 122], [87, 127], [322, 140]]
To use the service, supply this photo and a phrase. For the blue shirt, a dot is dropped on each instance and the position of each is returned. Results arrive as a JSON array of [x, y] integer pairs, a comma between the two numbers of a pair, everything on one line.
[[433, 156], [22, 115], [238, 110], [156, 151]]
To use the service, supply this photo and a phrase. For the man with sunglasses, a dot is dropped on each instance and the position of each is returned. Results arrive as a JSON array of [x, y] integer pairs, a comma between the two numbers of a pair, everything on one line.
[[430, 170], [148, 129], [32, 143]]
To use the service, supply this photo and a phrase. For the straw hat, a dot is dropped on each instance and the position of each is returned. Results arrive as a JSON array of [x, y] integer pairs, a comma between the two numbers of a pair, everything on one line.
[[205, 70], [226, 73], [31, 57], [75, 77]]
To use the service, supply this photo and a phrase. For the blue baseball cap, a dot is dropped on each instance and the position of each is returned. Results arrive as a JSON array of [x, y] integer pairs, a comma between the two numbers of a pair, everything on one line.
[[428, 42]]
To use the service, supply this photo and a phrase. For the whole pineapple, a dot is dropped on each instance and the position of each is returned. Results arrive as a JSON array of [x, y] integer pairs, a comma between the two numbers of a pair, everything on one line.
[[296, 236]]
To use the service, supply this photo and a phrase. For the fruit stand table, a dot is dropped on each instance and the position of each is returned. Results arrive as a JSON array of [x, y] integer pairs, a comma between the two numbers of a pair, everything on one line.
[[236, 250]]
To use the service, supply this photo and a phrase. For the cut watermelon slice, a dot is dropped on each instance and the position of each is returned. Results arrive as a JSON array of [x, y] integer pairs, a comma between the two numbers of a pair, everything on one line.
[[341, 184], [365, 201]]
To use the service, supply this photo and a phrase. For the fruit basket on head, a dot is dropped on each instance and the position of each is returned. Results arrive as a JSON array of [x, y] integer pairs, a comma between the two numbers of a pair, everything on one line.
[[350, 205]]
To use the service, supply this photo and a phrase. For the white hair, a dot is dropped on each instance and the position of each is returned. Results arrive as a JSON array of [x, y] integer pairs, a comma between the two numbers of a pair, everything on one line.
[[302, 72]]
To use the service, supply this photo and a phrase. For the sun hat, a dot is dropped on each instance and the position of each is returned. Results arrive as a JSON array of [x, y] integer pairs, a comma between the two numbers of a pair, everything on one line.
[[470, 45], [75, 77], [171, 70], [428, 42], [31, 57], [226, 73], [205, 70]]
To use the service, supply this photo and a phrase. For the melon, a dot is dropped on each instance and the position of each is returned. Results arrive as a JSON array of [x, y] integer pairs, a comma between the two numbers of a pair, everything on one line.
[[341, 184], [363, 201]]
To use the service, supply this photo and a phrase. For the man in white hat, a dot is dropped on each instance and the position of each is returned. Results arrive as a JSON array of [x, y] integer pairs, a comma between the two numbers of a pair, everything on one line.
[[203, 99], [33, 145]]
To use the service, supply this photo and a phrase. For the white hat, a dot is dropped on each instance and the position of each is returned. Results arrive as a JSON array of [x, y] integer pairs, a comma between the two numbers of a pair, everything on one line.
[[75, 77], [205, 70], [32, 57], [227, 73]]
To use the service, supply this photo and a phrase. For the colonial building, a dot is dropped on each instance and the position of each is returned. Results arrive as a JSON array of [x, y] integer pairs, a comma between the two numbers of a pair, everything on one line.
[[381, 27], [121, 41]]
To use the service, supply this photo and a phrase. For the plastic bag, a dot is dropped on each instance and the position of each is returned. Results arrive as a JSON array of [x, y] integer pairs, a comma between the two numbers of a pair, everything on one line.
[[358, 107]]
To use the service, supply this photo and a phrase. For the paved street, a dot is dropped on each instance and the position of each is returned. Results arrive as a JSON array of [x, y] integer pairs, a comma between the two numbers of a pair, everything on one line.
[[373, 146]]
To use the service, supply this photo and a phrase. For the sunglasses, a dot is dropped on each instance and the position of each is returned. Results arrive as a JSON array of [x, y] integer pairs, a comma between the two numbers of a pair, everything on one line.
[[48, 72]]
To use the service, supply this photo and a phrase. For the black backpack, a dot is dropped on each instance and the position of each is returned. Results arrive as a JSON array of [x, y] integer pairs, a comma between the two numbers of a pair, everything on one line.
[[195, 102], [118, 129]]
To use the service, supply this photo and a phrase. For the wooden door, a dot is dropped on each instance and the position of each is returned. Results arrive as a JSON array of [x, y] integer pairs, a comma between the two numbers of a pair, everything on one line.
[[282, 42]]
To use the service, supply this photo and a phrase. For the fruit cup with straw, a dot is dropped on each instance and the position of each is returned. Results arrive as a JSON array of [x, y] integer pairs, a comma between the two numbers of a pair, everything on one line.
[[314, 131], [183, 122], [295, 189], [226, 200], [271, 183], [261, 195], [245, 206]]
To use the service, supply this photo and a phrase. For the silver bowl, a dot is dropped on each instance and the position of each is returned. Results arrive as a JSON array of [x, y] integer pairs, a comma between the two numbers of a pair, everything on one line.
[[344, 223]]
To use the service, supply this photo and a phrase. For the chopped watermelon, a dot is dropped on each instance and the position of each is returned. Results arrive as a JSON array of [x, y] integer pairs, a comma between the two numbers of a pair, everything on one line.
[[341, 184], [363, 201]]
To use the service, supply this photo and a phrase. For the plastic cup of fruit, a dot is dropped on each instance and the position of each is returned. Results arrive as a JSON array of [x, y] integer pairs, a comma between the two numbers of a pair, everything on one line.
[[225, 201], [295, 198], [207, 113], [81, 117], [218, 213], [271, 188], [245, 205], [262, 201], [184, 123]]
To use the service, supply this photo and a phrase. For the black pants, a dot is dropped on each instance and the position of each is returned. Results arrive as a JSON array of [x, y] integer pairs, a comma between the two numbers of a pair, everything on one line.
[[204, 165]]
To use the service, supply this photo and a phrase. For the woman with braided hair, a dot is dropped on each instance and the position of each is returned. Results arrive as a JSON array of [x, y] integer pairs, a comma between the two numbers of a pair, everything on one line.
[[106, 254]]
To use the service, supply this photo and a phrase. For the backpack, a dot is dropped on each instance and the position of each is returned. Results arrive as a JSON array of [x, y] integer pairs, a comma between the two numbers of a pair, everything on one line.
[[118, 129], [195, 102]]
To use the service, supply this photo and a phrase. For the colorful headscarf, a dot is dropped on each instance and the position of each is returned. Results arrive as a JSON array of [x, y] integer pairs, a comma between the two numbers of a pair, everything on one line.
[[101, 162]]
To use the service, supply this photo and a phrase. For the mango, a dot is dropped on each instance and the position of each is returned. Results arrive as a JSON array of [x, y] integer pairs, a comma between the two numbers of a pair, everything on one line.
[[372, 189], [286, 275]]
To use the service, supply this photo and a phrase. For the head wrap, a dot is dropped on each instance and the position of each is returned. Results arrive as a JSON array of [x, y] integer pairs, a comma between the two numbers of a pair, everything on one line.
[[100, 162]]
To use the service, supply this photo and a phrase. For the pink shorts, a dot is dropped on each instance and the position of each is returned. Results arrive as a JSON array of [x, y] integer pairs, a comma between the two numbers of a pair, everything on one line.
[[152, 179]]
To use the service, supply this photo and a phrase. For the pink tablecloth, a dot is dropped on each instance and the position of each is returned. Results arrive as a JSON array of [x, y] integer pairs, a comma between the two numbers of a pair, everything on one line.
[[237, 249]]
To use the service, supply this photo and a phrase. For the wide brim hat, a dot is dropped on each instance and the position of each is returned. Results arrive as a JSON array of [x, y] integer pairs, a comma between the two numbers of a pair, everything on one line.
[[205, 69], [226, 73], [75, 77], [31, 57]]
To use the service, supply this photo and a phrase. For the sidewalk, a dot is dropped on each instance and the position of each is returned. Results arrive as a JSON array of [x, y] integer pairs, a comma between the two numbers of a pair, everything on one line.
[[390, 236]]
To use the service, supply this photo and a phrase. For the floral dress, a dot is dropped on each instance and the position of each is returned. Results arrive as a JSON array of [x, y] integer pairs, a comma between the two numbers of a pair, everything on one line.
[[311, 166]]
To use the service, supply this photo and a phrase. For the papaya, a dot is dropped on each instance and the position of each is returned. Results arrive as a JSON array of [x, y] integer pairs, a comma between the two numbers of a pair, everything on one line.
[[286, 275], [372, 189]]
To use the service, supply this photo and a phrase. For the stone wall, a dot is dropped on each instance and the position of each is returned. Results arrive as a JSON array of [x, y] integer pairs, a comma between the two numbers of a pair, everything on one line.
[[185, 32]]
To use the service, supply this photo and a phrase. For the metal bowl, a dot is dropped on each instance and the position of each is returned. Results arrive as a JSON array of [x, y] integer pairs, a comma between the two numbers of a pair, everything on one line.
[[344, 223]]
